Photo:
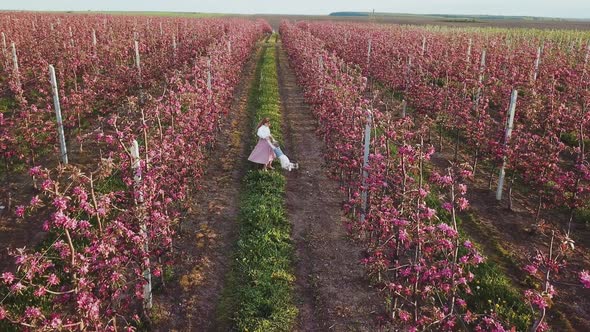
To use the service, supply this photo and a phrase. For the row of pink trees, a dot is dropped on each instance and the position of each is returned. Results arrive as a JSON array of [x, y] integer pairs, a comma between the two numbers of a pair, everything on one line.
[[111, 224], [414, 252], [463, 80], [94, 57], [460, 80]]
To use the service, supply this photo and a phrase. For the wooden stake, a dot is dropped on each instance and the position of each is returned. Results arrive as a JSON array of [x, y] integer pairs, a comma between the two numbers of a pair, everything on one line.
[[136, 166], [369, 53], [174, 43], [71, 37], [209, 87], [508, 133], [537, 62], [482, 68], [404, 107], [15, 64], [137, 61], [60, 128], [469, 52], [365, 165], [4, 49], [585, 59]]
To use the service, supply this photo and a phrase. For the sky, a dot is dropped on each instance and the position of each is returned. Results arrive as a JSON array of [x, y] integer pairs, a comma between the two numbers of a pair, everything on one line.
[[548, 8]]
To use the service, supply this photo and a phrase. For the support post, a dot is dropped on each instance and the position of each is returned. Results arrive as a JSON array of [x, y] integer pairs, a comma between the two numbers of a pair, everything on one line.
[[136, 166], [14, 59], [321, 68], [174, 44], [508, 133], [537, 62], [369, 53], [408, 72], [365, 165], [469, 51], [60, 127], [94, 39], [209, 78], [482, 68], [585, 59], [71, 37], [137, 61], [4, 49], [404, 108], [423, 45]]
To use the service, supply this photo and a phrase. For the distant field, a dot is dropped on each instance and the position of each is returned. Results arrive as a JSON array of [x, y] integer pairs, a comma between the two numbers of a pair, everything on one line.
[[481, 21], [385, 18]]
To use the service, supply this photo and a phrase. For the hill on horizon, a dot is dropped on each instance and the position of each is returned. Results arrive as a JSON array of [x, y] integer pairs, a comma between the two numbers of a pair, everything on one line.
[[457, 16]]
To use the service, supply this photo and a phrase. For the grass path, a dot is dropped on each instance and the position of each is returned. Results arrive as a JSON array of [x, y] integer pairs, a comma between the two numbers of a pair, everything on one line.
[[259, 295]]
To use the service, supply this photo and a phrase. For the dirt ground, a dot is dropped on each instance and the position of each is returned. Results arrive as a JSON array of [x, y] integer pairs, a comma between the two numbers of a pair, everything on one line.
[[204, 244], [332, 291], [16, 232]]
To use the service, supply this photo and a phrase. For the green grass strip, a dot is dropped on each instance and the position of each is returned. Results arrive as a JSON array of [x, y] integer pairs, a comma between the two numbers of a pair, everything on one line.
[[259, 293]]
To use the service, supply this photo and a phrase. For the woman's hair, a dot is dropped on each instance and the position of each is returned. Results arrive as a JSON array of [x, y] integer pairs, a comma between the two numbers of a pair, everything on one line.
[[263, 121]]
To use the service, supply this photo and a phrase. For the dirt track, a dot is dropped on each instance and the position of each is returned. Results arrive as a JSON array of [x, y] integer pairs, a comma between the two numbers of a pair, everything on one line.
[[331, 290], [204, 245]]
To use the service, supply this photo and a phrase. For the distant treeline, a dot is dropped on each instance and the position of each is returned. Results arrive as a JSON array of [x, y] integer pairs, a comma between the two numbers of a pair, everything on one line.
[[349, 14], [446, 16]]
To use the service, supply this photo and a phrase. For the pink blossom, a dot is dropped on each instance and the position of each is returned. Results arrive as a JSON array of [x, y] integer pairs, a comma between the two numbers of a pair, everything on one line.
[[47, 184], [535, 299], [447, 206], [404, 315], [35, 171], [466, 173], [8, 277], [35, 201], [468, 244], [32, 312], [531, 269], [60, 203], [17, 288], [429, 213], [56, 323], [463, 203], [461, 303], [462, 189], [3, 313], [423, 193], [446, 180], [40, 291], [585, 278], [20, 211], [52, 280]]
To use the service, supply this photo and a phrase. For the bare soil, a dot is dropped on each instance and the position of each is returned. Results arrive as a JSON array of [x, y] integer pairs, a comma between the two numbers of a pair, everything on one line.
[[16, 232], [493, 225], [332, 291], [204, 243]]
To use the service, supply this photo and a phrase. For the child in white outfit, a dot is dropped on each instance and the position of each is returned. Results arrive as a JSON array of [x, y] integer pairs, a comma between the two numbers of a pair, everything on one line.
[[285, 162]]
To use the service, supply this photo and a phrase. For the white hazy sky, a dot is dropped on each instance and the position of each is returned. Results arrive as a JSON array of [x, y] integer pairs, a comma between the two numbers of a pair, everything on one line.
[[550, 8]]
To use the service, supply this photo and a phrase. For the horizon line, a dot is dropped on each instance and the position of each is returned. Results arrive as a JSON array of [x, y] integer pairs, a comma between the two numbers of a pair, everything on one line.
[[295, 14]]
